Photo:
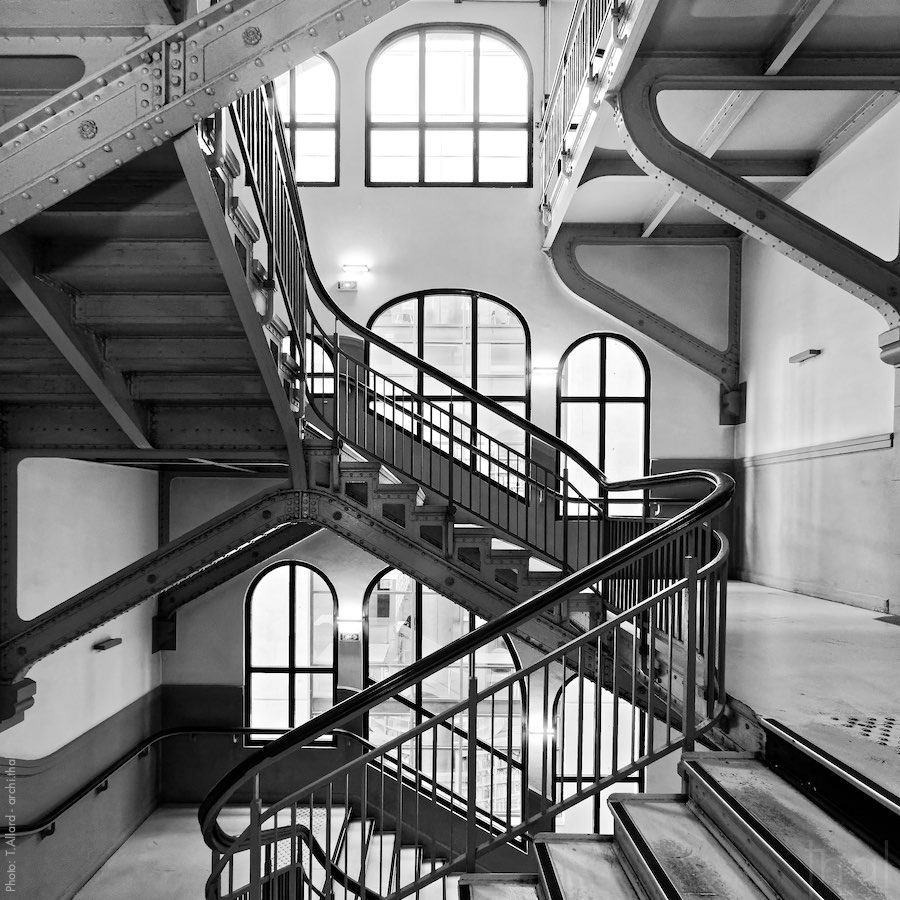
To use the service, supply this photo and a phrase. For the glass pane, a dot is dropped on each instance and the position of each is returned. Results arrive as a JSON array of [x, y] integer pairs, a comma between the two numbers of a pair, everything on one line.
[[449, 76], [315, 155], [501, 350], [268, 700], [315, 92], [503, 94], [503, 156], [395, 156], [624, 441], [502, 447], [314, 620], [624, 372], [391, 624], [448, 156], [581, 371], [448, 337], [395, 82], [399, 325], [313, 695], [269, 625]]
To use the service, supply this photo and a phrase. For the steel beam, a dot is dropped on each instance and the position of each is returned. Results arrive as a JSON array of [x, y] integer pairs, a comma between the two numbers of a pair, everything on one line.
[[160, 90], [207, 200], [804, 18], [625, 40], [737, 201], [605, 163], [721, 365], [51, 309]]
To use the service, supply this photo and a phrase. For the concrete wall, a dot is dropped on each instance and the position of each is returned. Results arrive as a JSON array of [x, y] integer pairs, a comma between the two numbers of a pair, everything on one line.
[[820, 492], [482, 239]]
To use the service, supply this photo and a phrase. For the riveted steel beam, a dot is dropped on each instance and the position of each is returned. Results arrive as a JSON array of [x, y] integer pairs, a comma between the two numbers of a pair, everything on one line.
[[210, 545], [721, 365], [160, 90], [737, 201], [207, 200], [51, 309], [605, 163], [806, 15]]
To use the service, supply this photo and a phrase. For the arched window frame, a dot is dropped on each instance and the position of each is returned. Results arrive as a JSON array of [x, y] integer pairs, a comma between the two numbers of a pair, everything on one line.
[[419, 297], [604, 400], [291, 669], [293, 126], [417, 649], [476, 125]]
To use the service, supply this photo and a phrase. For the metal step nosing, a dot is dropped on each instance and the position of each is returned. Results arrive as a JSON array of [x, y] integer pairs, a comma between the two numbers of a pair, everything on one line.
[[646, 864], [777, 852]]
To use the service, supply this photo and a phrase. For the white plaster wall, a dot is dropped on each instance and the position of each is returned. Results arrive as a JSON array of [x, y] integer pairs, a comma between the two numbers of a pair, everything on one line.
[[484, 239], [194, 501], [78, 522], [78, 687], [825, 525]]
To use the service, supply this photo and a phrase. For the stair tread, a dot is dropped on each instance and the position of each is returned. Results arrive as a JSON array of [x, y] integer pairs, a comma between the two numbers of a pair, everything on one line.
[[690, 855], [586, 867], [824, 846], [501, 886]]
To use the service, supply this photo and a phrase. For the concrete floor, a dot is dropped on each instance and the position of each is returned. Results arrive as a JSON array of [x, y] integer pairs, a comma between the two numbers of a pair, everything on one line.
[[816, 666], [810, 663]]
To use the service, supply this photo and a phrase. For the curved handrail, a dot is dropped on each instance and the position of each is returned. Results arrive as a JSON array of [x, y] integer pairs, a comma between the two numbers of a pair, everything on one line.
[[355, 706], [46, 825], [373, 338]]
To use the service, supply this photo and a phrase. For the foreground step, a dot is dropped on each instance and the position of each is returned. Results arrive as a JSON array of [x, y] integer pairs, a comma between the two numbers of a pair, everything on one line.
[[582, 867], [800, 849], [673, 854], [499, 887]]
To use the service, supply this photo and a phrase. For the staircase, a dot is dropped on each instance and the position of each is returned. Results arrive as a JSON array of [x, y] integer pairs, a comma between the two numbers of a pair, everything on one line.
[[632, 610], [744, 829]]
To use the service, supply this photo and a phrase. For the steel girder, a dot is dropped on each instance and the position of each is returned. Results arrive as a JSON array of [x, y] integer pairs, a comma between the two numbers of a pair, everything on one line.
[[238, 539], [159, 90], [742, 204], [723, 365]]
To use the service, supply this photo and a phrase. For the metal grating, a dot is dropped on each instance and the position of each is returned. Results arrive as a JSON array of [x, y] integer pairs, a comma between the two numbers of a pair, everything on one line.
[[883, 730]]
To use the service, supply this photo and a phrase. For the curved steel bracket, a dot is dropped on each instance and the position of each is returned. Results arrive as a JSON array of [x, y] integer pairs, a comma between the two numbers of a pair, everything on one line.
[[721, 365], [738, 202]]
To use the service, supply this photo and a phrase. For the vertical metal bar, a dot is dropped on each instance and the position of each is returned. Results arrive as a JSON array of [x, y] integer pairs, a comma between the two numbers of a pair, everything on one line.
[[255, 845], [472, 775], [690, 674], [450, 458]]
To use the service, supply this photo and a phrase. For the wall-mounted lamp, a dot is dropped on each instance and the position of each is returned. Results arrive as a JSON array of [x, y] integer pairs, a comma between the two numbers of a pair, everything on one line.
[[544, 371], [106, 644], [355, 268], [804, 355]]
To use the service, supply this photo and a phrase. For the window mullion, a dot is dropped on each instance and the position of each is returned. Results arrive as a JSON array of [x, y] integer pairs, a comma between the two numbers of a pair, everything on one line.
[[422, 82], [292, 633], [476, 107]]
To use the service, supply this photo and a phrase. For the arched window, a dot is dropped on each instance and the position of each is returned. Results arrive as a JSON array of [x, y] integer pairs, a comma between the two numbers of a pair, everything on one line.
[[308, 99], [478, 340], [604, 411], [290, 638], [404, 621], [449, 105], [574, 724]]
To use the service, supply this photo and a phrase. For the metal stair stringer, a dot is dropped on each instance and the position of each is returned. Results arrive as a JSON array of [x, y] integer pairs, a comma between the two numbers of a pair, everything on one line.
[[160, 89]]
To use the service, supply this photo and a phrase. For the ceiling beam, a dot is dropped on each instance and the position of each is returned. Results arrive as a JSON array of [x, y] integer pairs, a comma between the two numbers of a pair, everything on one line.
[[52, 310], [806, 15], [606, 163]]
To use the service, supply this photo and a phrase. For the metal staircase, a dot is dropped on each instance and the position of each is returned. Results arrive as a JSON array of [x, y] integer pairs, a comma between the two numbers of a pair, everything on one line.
[[632, 609]]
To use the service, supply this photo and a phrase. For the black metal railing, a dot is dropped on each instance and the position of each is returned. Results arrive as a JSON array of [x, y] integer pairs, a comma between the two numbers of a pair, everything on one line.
[[660, 655]]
